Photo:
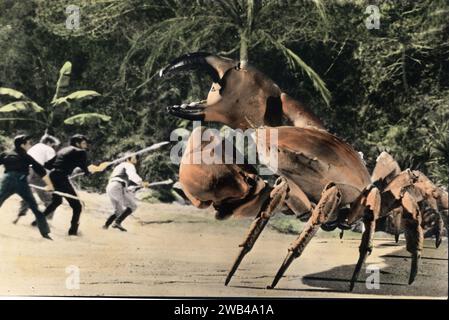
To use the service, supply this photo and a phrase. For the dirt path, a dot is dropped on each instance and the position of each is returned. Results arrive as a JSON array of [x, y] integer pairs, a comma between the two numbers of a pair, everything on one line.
[[173, 250]]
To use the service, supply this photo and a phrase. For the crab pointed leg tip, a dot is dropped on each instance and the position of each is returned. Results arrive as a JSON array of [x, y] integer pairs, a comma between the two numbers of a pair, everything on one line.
[[274, 283], [396, 238], [351, 286], [437, 243], [414, 268], [411, 279]]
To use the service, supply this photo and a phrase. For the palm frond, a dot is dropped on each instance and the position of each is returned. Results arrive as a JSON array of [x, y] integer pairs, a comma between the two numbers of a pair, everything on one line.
[[321, 10], [296, 62]]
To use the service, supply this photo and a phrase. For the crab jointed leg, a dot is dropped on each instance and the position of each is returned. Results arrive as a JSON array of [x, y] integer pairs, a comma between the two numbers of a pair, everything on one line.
[[413, 232], [327, 205], [277, 197], [371, 209]]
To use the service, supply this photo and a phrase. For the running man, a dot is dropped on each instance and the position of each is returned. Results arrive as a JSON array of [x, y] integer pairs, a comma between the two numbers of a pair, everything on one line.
[[41, 152], [62, 166], [123, 201], [17, 164]]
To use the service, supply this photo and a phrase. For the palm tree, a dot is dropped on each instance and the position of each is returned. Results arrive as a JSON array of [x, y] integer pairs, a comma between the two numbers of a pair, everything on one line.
[[160, 30], [243, 25]]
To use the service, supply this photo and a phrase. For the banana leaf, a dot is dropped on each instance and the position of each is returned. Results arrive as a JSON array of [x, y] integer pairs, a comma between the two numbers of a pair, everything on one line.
[[13, 94], [87, 118], [76, 96], [18, 106], [64, 80]]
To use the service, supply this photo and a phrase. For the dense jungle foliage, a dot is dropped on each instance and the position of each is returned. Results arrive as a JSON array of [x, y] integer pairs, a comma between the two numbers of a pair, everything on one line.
[[379, 89]]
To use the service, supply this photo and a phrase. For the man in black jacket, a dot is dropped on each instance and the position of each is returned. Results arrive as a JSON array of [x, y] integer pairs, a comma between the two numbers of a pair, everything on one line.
[[62, 166], [17, 164]]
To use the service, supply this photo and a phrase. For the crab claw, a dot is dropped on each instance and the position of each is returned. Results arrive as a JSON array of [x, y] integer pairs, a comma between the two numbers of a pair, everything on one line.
[[213, 65], [329, 226], [191, 111], [191, 61]]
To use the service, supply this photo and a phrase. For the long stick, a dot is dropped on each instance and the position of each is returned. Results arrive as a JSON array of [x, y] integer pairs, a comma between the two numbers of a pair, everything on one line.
[[62, 194], [153, 184], [148, 149], [159, 183]]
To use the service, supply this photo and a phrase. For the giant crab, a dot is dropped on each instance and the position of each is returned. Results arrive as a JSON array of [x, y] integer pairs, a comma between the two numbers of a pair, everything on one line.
[[321, 177]]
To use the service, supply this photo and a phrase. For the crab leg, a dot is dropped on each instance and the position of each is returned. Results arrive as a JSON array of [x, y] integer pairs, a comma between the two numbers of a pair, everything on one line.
[[397, 218], [277, 197], [440, 229], [296, 249], [436, 198], [328, 203], [413, 232], [372, 210]]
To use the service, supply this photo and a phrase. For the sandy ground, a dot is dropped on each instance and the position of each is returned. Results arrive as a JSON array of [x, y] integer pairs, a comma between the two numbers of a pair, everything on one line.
[[173, 250]]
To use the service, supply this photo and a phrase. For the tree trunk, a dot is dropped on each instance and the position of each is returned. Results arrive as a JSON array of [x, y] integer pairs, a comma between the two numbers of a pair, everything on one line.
[[404, 68], [243, 47], [246, 29]]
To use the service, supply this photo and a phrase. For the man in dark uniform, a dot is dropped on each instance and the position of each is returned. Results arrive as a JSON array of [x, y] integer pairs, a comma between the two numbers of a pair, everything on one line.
[[17, 164], [62, 166], [41, 152]]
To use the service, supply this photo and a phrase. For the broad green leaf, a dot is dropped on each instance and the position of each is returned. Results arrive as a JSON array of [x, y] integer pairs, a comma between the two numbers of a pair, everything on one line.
[[15, 106], [13, 94], [23, 119], [18, 106], [76, 96], [35, 106], [82, 94], [87, 118], [63, 80]]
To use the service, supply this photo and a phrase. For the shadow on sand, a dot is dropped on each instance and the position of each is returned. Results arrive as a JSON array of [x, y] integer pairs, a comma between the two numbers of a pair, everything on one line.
[[393, 277]]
